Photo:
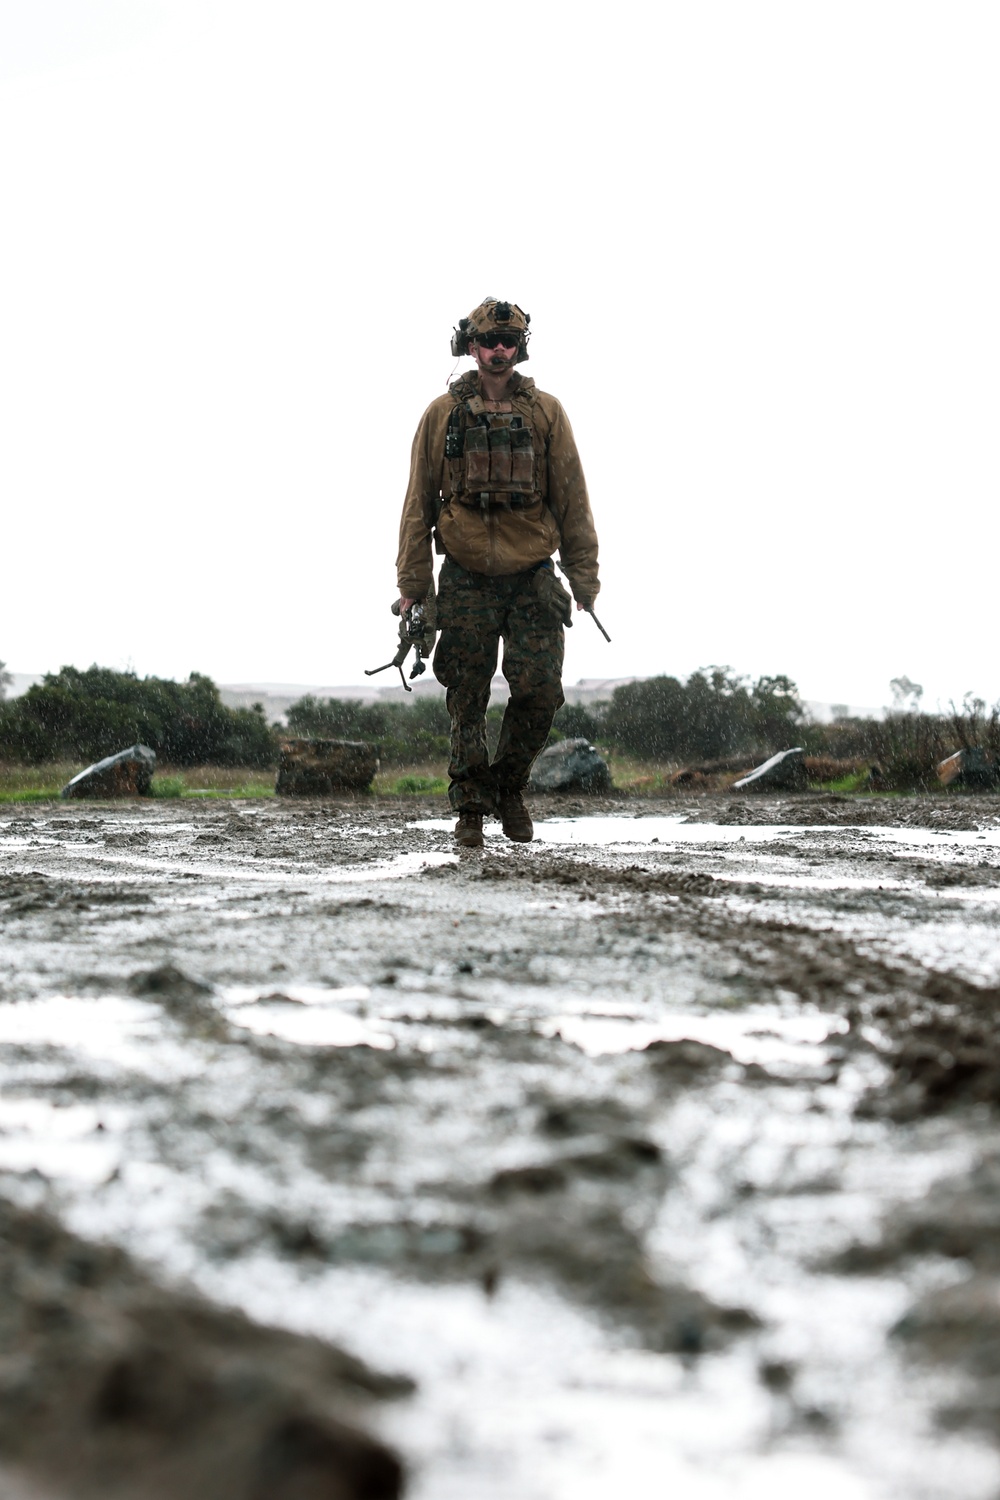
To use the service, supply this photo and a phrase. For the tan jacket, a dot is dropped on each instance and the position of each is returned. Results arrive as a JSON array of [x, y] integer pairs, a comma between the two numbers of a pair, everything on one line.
[[499, 541]]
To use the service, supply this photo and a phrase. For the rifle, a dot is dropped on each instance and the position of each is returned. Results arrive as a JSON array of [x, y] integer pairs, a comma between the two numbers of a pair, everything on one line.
[[416, 633]]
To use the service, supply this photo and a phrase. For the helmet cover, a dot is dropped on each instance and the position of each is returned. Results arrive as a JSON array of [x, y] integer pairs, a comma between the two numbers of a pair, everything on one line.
[[492, 316]]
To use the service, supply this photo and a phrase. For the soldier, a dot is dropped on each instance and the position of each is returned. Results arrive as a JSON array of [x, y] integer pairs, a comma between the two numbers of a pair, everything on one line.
[[495, 478]]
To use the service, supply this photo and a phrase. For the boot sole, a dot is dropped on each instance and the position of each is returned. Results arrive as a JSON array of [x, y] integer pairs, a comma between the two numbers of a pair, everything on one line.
[[469, 838]]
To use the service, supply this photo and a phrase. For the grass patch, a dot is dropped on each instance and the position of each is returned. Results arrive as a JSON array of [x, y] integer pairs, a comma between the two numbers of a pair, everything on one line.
[[853, 781], [630, 774], [647, 778], [21, 783], [167, 786], [212, 781], [35, 783], [44, 783], [434, 786], [247, 789], [425, 779], [221, 781], [248, 786]]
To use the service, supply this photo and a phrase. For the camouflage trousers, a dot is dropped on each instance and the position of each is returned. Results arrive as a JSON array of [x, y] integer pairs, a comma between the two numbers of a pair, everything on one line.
[[474, 613]]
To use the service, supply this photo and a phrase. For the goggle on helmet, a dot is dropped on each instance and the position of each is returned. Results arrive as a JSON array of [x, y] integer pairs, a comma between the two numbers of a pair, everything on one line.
[[492, 316]]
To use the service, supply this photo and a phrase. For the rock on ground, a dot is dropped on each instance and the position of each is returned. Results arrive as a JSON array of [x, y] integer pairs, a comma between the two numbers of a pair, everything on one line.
[[127, 774], [571, 766], [317, 768], [972, 768], [785, 771]]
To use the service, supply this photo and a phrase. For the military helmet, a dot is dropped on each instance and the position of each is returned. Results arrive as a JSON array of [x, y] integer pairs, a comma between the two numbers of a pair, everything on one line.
[[492, 316]]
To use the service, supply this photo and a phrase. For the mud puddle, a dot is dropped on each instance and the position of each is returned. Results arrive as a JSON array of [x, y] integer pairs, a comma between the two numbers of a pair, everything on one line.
[[627, 1147]]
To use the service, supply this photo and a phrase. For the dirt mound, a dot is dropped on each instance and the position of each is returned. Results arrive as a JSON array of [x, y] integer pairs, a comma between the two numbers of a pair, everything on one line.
[[116, 1386]]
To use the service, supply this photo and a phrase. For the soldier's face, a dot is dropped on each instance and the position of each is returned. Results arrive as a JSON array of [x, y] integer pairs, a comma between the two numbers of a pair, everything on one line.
[[499, 358]]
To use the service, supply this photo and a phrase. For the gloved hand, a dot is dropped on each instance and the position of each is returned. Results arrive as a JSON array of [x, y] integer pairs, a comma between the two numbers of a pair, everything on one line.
[[418, 620]]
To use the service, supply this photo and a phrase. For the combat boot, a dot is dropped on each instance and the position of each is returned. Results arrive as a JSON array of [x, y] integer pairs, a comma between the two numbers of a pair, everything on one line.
[[469, 830], [515, 817]]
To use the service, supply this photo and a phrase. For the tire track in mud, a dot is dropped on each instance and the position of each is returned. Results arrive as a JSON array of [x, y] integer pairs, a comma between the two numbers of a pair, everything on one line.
[[938, 1035], [939, 1032], [818, 965]]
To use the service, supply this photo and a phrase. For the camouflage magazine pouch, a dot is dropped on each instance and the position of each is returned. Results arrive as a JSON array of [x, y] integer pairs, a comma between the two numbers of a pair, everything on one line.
[[492, 461], [499, 458], [554, 599], [522, 458], [477, 458]]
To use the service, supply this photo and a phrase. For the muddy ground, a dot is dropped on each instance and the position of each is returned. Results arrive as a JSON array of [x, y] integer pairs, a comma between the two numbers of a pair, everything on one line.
[[333, 1163]]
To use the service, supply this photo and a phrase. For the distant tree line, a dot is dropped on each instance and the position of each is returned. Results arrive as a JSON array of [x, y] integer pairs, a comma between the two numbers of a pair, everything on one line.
[[85, 715], [715, 716]]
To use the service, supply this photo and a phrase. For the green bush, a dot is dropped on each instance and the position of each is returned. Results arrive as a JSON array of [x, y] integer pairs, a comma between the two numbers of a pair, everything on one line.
[[713, 714], [575, 722], [88, 715], [905, 749], [403, 732]]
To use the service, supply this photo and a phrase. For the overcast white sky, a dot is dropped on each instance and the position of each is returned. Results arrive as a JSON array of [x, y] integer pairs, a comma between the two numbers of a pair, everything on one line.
[[759, 243]]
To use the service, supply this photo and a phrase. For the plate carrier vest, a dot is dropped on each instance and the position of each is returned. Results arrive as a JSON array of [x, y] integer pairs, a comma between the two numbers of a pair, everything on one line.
[[490, 455]]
